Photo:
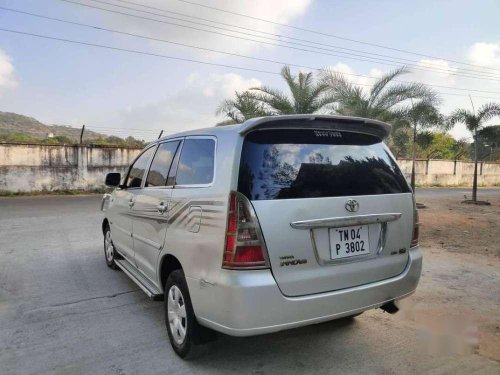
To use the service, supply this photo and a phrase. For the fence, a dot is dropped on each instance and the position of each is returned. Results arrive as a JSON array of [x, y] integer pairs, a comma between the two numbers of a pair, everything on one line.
[[34, 167], [451, 172]]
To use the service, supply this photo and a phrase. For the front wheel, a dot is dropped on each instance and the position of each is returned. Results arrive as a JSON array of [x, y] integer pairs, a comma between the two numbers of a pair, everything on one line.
[[183, 329], [109, 250]]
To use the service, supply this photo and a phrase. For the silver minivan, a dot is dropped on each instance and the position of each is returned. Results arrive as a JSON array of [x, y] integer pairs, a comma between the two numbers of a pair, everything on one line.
[[272, 224]]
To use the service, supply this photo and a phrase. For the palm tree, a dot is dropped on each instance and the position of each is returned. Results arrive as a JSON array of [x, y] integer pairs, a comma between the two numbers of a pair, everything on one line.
[[381, 101], [419, 116], [474, 122], [242, 108], [306, 96]]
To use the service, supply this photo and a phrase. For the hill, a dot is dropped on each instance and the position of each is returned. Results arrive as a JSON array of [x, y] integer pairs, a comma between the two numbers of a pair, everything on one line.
[[13, 123]]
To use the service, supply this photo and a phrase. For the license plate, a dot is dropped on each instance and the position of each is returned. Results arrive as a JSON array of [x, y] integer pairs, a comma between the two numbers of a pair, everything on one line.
[[349, 241]]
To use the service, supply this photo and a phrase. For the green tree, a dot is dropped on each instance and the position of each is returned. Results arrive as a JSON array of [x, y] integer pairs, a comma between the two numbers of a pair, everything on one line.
[[489, 142], [305, 96], [381, 101], [474, 121], [243, 107], [420, 116], [442, 146], [18, 138]]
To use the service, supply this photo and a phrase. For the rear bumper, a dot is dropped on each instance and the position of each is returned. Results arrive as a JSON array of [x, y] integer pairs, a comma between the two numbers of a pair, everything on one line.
[[246, 303]]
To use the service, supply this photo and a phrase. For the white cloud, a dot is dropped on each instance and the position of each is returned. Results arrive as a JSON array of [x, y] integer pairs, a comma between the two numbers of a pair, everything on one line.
[[437, 72], [7, 79], [485, 54], [192, 106], [281, 11]]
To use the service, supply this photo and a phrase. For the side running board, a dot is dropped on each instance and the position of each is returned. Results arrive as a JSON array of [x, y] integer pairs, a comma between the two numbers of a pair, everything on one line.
[[151, 290]]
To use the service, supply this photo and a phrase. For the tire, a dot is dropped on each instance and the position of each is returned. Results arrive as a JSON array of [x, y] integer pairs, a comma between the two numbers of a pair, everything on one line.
[[184, 332], [110, 253]]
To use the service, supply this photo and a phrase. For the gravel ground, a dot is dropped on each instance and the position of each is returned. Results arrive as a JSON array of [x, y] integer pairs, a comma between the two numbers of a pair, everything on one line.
[[62, 311]]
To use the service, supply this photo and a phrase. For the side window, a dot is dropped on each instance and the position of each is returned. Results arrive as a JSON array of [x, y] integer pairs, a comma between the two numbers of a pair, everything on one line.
[[136, 173], [157, 175], [196, 163]]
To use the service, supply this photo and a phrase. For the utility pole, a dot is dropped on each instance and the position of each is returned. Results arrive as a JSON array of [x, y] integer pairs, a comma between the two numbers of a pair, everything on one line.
[[474, 183], [81, 134]]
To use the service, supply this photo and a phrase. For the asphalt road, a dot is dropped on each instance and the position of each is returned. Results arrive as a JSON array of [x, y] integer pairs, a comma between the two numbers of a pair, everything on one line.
[[62, 311]]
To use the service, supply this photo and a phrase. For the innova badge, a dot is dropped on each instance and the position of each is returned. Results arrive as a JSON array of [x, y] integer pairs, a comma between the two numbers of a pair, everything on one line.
[[352, 205]]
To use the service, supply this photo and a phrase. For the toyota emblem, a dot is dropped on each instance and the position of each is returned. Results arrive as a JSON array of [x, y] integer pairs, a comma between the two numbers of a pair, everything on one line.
[[352, 205]]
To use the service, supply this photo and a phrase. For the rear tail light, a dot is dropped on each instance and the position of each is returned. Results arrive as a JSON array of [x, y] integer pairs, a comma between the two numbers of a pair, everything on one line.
[[245, 248], [416, 224]]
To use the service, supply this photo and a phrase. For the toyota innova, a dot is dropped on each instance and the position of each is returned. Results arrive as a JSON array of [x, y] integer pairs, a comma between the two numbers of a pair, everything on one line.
[[272, 224]]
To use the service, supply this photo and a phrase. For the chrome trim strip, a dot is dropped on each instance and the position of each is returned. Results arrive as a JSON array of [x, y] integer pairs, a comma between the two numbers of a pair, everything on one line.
[[345, 221]]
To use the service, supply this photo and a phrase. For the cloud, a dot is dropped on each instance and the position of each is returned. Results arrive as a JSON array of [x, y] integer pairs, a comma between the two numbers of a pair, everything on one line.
[[7, 79], [438, 72], [281, 11], [485, 54], [192, 106]]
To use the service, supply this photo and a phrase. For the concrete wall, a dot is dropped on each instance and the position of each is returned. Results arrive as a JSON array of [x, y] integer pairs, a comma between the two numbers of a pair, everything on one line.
[[451, 173], [29, 168]]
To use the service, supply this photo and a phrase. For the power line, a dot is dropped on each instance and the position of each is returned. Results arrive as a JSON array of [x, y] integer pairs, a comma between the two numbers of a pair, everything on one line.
[[213, 50], [331, 35], [136, 51], [273, 34], [478, 75], [167, 56], [366, 59]]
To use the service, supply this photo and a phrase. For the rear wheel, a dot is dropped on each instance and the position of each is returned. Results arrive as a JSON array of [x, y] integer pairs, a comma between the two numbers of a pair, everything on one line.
[[109, 250], [183, 329]]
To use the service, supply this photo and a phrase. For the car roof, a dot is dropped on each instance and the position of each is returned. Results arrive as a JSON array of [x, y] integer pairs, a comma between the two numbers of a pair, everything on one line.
[[359, 124]]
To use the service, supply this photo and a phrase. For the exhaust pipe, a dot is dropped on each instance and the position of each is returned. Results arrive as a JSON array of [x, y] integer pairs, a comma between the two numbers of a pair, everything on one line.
[[390, 307]]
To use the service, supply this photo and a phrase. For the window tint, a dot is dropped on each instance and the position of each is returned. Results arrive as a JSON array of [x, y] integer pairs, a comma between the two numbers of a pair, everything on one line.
[[157, 175], [134, 178], [277, 164], [196, 163]]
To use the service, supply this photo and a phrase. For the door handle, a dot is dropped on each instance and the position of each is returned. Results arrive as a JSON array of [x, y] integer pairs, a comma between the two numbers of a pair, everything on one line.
[[161, 208], [131, 203]]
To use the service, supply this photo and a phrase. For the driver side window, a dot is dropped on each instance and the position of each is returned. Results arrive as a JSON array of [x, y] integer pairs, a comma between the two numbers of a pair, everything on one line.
[[136, 172]]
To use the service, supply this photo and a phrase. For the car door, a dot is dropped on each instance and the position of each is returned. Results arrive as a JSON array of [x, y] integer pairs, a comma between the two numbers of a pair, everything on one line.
[[123, 200], [150, 210]]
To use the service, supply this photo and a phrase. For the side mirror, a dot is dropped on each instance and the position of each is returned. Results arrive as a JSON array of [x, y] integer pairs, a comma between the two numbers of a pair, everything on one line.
[[113, 179]]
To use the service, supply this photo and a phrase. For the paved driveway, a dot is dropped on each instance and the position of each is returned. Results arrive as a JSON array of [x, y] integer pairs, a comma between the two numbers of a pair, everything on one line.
[[62, 311]]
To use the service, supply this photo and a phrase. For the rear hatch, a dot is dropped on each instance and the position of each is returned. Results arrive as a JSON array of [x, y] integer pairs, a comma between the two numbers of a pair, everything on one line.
[[334, 208]]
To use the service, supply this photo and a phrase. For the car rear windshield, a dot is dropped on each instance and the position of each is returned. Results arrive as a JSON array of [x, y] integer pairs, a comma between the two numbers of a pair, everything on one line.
[[286, 164]]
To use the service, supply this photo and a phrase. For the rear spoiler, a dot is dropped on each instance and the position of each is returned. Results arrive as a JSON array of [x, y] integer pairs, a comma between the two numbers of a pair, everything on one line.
[[328, 122]]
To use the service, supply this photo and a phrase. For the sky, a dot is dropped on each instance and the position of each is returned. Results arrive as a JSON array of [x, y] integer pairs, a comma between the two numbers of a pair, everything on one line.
[[62, 83]]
